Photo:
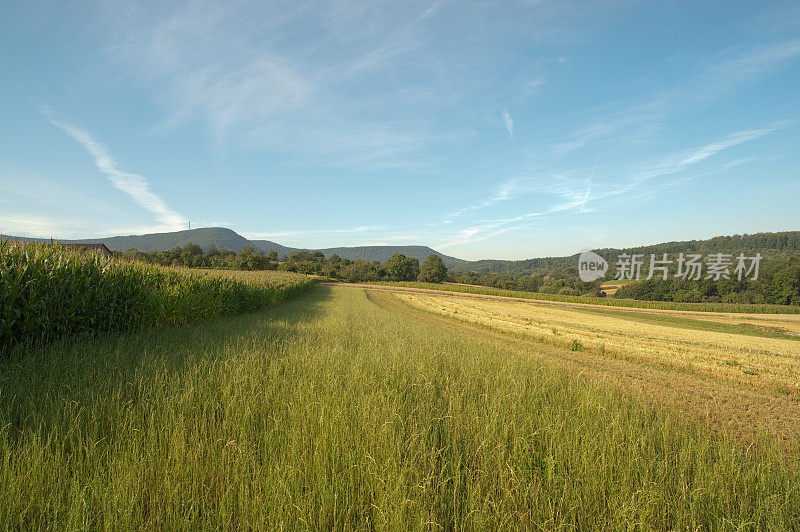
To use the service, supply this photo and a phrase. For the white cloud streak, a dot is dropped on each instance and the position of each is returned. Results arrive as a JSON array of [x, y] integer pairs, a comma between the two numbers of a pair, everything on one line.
[[239, 71], [321, 81], [509, 123], [728, 71], [733, 140], [133, 185], [313, 232], [569, 196], [26, 225]]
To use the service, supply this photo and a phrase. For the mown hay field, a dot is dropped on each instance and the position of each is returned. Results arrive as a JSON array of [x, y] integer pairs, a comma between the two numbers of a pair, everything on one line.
[[750, 362], [338, 410], [602, 301]]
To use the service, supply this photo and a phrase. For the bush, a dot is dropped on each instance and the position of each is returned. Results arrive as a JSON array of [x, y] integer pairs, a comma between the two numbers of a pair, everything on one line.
[[575, 345]]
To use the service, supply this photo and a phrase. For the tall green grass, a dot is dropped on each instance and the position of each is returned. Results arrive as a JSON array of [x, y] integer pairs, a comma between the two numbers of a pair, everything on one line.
[[50, 291], [330, 412], [744, 308]]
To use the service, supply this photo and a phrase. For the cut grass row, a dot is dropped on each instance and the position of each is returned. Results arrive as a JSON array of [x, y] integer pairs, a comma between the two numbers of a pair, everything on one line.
[[726, 353], [331, 412], [682, 322], [50, 291], [606, 301]]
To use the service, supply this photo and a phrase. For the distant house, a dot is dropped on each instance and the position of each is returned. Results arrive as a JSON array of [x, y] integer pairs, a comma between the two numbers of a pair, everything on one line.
[[95, 247]]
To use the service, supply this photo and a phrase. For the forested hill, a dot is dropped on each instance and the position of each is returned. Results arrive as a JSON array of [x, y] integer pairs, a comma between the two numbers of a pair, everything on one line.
[[367, 253], [784, 241], [205, 237], [218, 236], [223, 238], [768, 243]]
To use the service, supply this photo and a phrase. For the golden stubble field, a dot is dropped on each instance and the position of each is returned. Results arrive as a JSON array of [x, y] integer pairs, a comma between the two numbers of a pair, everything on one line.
[[741, 369]]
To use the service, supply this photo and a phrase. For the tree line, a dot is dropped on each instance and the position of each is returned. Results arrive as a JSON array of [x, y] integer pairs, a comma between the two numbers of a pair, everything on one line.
[[193, 256], [564, 281], [778, 282], [397, 268]]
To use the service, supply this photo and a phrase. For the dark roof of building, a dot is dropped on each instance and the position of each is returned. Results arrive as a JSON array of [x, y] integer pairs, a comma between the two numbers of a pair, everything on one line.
[[100, 247]]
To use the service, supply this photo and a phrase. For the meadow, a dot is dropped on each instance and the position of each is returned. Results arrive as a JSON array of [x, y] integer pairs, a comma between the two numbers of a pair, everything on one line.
[[348, 409]]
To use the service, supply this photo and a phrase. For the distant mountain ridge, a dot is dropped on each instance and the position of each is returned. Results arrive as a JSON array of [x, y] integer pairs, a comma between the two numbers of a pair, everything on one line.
[[225, 238], [784, 241], [221, 237], [365, 253]]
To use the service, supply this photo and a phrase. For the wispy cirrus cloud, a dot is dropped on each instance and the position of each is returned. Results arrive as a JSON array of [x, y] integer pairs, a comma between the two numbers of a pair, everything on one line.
[[509, 123], [357, 84], [59, 227], [713, 78], [677, 163], [732, 140], [648, 179], [534, 84], [239, 71], [29, 225], [734, 68], [507, 190], [134, 185], [315, 232], [568, 193], [588, 189]]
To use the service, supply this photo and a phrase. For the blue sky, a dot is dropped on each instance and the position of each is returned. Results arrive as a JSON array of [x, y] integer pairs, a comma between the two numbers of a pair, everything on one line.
[[502, 130]]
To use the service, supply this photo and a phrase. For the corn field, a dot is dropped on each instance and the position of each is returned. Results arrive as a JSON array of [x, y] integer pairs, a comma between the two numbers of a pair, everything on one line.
[[51, 291]]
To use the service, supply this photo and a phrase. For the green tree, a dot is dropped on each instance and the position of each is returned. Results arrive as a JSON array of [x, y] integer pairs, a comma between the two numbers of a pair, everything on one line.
[[214, 256], [259, 261], [272, 260], [191, 255], [243, 258], [433, 270], [784, 288], [360, 271], [402, 268]]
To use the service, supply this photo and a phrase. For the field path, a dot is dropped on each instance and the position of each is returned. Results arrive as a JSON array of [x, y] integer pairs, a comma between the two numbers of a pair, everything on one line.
[[745, 411]]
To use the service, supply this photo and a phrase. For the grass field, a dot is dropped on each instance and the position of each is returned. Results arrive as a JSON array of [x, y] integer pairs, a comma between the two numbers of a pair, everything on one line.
[[604, 301], [342, 409]]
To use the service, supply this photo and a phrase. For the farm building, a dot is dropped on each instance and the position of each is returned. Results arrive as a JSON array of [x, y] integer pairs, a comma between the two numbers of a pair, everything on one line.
[[96, 247]]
